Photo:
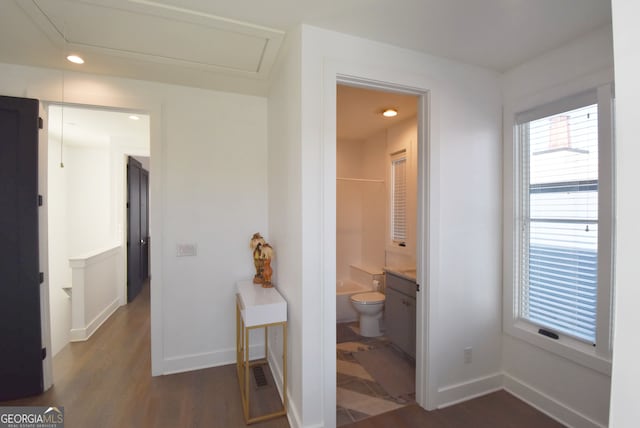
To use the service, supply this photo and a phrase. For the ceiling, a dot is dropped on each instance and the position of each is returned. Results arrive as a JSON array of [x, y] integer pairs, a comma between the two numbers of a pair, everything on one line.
[[359, 111], [232, 45], [87, 127]]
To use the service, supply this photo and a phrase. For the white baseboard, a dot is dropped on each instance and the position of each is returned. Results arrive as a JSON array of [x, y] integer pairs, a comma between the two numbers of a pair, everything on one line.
[[205, 360], [293, 415], [464, 391], [275, 364], [548, 405], [82, 334]]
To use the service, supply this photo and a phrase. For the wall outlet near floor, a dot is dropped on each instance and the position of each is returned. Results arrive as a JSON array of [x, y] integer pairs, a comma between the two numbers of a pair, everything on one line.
[[467, 355]]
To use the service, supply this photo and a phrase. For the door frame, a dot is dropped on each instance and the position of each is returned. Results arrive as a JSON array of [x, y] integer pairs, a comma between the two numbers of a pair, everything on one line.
[[427, 226], [153, 108]]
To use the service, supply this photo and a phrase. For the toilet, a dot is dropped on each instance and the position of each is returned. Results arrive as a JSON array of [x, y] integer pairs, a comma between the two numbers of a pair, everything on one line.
[[369, 307]]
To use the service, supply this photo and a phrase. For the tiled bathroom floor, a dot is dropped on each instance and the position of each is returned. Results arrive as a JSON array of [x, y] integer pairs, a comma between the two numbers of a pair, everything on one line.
[[373, 376]]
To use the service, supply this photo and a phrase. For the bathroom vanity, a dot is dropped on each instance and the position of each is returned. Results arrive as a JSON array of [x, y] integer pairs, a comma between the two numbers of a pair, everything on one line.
[[400, 309]]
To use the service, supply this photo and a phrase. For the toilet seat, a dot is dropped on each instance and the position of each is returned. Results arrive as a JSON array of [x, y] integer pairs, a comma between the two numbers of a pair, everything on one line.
[[369, 298]]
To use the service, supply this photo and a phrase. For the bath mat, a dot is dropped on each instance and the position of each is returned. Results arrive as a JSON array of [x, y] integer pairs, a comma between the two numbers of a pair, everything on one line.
[[391, 370]]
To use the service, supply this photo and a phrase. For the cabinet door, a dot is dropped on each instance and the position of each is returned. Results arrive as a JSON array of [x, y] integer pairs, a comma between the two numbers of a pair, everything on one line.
[[399, 321], [411, 308]]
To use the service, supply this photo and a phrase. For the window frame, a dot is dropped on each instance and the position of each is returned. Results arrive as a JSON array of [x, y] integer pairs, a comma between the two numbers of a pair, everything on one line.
[[598, 356], [400, 155]]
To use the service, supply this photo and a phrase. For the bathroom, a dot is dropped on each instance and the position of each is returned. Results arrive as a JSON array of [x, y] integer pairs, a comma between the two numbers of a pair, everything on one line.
[[376, 200]]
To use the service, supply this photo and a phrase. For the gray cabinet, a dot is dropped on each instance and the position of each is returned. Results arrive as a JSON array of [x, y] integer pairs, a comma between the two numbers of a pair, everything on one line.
[[400, 313]]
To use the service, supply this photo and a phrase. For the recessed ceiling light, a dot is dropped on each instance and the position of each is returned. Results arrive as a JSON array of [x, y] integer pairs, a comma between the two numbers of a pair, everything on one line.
[[134, 117], [390, 112], [75, 59]]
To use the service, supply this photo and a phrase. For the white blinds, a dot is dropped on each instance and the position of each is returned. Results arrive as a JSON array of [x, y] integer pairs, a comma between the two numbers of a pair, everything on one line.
[[559, 236], [399, 199]]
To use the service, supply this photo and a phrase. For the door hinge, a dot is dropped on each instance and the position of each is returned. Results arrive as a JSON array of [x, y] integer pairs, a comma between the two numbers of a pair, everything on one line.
[[40, 200], [417, 287], [41, 277], [40, 123], [44, 353]]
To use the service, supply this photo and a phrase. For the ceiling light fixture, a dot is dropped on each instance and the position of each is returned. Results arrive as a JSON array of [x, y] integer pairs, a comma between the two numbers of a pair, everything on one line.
[[134, 117], [75, 59], [390, 112]]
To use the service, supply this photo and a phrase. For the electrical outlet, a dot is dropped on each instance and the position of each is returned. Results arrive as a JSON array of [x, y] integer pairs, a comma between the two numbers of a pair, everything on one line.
[[467, 355]]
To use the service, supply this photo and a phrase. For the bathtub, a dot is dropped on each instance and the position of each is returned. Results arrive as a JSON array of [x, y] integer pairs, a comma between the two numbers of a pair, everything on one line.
[[344, 309]]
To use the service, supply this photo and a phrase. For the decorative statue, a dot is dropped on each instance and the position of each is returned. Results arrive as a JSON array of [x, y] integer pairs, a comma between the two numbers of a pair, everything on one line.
[[266, 256], [257, 241]]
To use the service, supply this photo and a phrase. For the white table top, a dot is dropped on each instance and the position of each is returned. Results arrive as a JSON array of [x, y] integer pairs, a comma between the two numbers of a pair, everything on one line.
[[259, 305]]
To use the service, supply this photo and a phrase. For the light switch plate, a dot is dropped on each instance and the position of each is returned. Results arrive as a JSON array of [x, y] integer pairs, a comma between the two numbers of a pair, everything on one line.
[[186, 250]]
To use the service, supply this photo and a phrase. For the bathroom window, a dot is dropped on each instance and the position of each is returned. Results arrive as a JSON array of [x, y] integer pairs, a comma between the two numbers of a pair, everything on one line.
[[564, 211], [399, 198]]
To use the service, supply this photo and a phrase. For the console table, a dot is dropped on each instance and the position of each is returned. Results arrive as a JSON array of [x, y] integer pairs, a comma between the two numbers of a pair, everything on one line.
[[256, 308]]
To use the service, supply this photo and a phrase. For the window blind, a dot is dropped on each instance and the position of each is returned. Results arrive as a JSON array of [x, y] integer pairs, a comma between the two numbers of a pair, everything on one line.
[[559, 241], [399, 199]]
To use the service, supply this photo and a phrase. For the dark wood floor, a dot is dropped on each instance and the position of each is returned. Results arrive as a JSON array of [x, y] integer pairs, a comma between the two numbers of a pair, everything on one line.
[[106, 382], [497, 410]]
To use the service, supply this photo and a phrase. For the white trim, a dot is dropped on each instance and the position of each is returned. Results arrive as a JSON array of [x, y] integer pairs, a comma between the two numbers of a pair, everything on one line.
[[427, 226], [576, 351], [572, 349], [454, 394], [293, 415], [276, 370], [43, 250], [548, 405], [94, 257], [205, 360], [82, 334]]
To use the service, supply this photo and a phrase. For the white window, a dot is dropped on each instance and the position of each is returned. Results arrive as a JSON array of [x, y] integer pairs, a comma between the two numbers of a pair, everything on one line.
[[399, 199], [563, 225]]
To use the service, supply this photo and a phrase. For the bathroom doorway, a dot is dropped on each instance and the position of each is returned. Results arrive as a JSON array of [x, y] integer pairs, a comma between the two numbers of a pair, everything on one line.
[[377, 170]]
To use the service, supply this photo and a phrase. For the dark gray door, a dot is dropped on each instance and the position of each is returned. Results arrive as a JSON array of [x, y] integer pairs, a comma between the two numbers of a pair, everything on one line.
[[144, 222], [20, 328], [137, 227]]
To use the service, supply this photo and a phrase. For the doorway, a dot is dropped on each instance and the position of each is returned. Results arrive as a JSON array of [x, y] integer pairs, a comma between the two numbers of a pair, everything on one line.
[[376, 239], [87, 227], [137, 227]]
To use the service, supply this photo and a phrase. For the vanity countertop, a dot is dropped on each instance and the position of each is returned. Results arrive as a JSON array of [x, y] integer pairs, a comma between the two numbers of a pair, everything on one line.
[[406, 273]]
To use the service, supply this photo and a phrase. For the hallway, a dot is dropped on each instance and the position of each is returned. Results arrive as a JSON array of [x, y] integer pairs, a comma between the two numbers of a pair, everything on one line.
[[106, 382]]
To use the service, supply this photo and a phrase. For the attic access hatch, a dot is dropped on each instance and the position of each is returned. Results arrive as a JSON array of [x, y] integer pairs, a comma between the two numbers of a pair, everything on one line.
[[158, 32]]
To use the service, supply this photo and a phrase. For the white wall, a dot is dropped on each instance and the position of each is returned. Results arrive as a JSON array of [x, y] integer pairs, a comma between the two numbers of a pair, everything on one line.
[[463, 260], [362, 208], [79, 221], [285, 216], [208, 187], [59, 270], [374, 201], [569, 391], [349, 228], [404, 136], [88, 171], [625, 411]]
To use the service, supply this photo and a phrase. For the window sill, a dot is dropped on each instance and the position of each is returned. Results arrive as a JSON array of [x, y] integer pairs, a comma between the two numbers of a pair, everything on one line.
[[566, 347]]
